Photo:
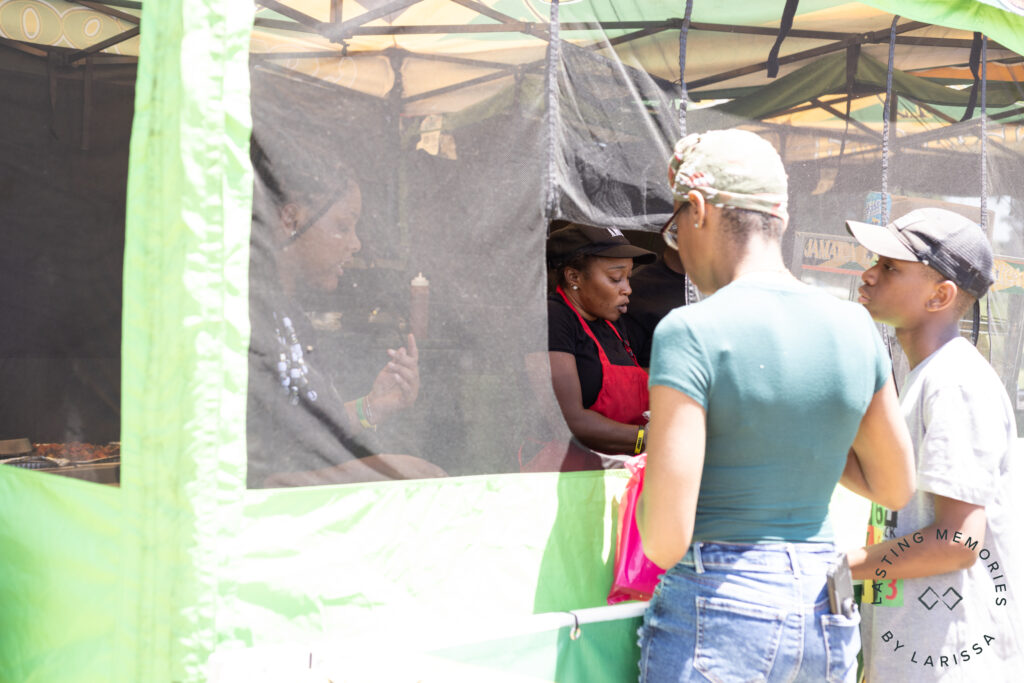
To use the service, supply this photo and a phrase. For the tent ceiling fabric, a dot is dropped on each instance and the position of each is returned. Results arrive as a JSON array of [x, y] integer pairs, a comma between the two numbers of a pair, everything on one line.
[[507, 36], [436, 45], [83, 26]]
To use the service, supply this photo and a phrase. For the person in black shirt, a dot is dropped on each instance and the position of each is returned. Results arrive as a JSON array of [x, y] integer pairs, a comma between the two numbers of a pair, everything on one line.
[[657, 289], [300, 429], [600, 388]]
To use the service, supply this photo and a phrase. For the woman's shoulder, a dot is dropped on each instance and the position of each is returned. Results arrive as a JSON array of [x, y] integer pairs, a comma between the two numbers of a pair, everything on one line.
[[841, 310], [685, 322], [559, 311]]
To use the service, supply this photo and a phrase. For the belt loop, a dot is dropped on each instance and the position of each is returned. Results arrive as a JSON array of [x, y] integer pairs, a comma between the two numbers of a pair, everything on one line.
[[794, 565], [698, 562]]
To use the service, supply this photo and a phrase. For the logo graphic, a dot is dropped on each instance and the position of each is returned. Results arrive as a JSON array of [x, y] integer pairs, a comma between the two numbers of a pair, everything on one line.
[[930, 598], [916, 635]]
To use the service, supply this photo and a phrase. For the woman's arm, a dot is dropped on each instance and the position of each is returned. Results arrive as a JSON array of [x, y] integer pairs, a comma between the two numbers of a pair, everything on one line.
[[880, 466], [592, 428], [675, 460]]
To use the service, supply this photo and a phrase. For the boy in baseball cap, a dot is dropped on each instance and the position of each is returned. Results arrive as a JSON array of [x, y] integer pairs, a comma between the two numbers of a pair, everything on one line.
[[950, 244], [939, 571]]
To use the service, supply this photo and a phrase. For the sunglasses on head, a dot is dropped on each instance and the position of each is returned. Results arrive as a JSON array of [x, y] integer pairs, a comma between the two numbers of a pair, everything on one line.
[[669, 230]]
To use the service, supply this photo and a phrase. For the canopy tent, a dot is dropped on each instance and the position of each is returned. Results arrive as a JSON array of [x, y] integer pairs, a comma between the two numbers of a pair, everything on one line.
[[469, 125]]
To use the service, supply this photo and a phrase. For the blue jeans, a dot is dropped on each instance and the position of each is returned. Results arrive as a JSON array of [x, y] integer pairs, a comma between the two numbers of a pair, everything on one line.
[[730, 612]]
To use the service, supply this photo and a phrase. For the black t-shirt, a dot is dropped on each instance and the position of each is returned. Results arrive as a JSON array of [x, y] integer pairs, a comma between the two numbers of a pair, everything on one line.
[[657, 289], [306, 435], [565, 334]]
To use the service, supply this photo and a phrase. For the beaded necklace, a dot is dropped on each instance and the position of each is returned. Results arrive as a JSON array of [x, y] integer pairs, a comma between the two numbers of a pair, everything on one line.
[[291, 366]]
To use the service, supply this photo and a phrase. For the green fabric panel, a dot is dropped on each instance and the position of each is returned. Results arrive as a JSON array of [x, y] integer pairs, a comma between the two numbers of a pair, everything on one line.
[[1003, 27], [871, 71], [828, 75], [418, 559], [821, 76], [752, 14], [64, 602], [185, 327], [749, 13]]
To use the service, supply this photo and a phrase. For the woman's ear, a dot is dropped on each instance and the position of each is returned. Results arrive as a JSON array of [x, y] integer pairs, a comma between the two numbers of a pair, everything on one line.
[[943, 296], [572, 277], [697, 201], [290, 215]]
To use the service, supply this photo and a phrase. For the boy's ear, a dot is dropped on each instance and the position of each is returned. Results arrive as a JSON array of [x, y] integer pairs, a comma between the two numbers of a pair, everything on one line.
[[943, 296]]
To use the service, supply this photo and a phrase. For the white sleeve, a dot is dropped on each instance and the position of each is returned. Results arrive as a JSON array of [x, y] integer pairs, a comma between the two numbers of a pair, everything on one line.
[[964, 442]]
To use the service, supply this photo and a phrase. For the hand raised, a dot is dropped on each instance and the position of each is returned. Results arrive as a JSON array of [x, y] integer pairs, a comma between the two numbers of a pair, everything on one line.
[[398, 383]]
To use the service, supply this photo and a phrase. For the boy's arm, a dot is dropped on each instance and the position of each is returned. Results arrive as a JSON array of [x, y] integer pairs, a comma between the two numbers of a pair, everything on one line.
[[940, 547]]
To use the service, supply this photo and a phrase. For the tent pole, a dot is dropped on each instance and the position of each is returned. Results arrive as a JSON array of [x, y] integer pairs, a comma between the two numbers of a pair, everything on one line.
[[86, 102], [23, 47], [886, 115], [103, 9], [684, 31], [858, 39], [976, 322], [984, 142], [629, 37], [690, 293], [500, 17], [284, 72], [103, 45], [553, 59], [841, 116]]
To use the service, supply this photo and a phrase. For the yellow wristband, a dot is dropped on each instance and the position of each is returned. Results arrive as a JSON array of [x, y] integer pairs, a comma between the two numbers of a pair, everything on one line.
[[361, 414], [639, 448]]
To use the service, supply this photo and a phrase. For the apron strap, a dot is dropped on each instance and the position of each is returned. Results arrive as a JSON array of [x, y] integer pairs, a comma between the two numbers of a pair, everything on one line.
[[590, 333], [586, 327]]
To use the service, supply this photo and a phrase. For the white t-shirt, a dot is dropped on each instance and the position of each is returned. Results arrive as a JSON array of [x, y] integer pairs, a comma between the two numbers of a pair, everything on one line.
[[965, 625]]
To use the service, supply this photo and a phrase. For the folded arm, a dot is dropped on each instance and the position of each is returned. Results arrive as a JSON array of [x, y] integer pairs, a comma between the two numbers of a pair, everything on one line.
[[950, 543]]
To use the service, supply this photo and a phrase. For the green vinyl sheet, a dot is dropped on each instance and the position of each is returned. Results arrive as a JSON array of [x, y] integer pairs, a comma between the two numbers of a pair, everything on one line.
[[145, 581], [62, 580], [184, 329], [998, 24]]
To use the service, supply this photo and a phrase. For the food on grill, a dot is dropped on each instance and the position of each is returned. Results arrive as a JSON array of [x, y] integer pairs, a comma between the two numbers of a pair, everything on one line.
[[76, 451]]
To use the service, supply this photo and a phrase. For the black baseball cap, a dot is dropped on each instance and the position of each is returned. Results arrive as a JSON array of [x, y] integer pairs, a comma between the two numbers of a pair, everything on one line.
[[952, 244], [577, 239]]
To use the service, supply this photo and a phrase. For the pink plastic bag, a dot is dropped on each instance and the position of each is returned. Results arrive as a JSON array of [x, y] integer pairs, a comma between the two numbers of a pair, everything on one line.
[[635, 575]]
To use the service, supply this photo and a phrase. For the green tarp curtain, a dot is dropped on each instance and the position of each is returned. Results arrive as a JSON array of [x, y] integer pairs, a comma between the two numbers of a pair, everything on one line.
[[144, 582], [828, 75]]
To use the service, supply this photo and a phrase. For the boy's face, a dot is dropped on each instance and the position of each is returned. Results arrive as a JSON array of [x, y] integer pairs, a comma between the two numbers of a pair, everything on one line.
[[896, 292]]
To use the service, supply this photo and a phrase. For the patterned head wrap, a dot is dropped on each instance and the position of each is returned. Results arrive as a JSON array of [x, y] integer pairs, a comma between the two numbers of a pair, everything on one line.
[[733, 167]]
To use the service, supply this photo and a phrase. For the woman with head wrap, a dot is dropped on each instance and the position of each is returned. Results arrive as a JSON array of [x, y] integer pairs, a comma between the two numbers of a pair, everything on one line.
[[300, 429], [763, 396]]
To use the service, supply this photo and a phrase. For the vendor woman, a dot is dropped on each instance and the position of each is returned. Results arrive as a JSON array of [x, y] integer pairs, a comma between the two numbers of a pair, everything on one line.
[[300, 429], [600, 387]]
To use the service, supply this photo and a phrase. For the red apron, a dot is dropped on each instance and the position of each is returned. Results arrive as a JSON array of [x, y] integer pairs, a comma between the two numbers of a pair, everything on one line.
[[623, 398]]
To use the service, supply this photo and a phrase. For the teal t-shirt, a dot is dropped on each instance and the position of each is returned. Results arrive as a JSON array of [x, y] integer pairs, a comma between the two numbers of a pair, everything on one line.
[[785, 372]]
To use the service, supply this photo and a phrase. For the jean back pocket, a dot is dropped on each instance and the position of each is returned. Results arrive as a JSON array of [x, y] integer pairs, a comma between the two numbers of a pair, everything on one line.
[[736, 641], [842, 643]]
